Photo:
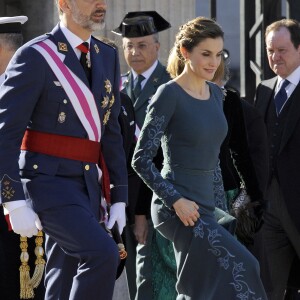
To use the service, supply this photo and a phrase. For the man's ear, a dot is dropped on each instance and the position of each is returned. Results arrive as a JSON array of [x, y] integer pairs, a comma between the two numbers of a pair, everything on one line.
[[157, 45], [64, 5]]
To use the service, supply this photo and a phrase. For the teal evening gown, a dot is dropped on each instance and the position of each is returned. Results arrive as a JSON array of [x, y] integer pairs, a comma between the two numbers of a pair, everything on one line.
[[211, 263], [162, 254]]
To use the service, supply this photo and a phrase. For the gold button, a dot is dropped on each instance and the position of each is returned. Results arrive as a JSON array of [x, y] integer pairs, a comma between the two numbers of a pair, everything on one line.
[[35, 166], [87, 167], [65, 101]]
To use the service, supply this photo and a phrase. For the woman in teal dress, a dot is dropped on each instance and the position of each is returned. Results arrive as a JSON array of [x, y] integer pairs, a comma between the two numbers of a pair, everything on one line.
[[186, 117]]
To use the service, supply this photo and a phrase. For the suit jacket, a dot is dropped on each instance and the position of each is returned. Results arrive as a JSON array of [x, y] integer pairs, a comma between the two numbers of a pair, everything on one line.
[[288, 158], [258, 145], [127, 123], [139, 194], [158, 77], [31, 97]]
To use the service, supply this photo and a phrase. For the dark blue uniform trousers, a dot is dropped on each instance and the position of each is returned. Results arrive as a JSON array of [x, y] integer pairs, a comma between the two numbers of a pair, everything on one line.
[[82, 258]]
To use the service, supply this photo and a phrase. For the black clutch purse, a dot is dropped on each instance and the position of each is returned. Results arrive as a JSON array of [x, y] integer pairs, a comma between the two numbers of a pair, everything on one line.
[[240, 202], [248, 215]]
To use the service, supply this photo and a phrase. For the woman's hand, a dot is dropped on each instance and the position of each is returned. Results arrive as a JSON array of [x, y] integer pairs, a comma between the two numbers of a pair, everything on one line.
[[187, 211]]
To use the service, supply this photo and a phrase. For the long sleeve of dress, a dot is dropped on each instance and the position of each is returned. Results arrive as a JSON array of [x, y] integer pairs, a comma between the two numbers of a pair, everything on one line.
[[155, 129]]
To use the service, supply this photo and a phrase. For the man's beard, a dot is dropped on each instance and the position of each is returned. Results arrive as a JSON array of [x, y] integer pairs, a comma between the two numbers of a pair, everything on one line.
[[85, 21]]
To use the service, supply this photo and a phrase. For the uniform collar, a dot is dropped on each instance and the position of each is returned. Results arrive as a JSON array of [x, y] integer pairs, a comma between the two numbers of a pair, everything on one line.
[[146, 74], [73, 39]]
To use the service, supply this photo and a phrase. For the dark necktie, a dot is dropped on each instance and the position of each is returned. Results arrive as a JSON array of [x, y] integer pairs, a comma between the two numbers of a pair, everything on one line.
[[138, 86], [85, 62], [281, 96]]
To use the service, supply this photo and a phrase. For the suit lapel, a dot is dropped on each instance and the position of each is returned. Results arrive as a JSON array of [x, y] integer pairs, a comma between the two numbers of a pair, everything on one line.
[[266, 96], [126, 86], [292, 118], [150, 88]]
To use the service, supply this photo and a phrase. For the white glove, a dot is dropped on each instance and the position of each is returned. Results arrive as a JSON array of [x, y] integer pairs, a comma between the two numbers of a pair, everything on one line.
[[25, 221], [117, 214]]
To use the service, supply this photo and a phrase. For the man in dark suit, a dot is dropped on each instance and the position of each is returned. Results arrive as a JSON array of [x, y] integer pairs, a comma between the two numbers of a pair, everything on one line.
[[278, 101], [141, 47], [59, 100]]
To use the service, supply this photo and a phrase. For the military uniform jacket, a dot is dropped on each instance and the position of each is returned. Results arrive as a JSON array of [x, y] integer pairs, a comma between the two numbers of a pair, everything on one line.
[[32, 97], [158, 77]]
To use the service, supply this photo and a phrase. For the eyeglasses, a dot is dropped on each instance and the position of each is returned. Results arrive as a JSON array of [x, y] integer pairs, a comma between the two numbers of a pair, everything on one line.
[[140, 47]]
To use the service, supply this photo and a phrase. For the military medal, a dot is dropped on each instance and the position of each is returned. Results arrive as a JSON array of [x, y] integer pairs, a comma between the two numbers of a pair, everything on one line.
[[96, 48], [107, 86], [111, 101], [105, 102], [88, 61], [106, 117], [61, 117]]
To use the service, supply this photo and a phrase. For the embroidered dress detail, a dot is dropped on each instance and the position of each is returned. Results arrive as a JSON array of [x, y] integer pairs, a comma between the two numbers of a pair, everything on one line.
[[226, 260], [137, 132], [220, 198]]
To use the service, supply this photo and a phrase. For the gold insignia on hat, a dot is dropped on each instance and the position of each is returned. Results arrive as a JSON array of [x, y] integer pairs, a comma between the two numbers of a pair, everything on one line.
[[107, 86], [61, 117], [111, 101], [105, 102], [62, 46], [155, 79], [96, 48], [7, 191], [106, 117]]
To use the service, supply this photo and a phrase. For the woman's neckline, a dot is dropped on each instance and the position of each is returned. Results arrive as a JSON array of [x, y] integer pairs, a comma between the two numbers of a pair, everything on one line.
[[188, 94]]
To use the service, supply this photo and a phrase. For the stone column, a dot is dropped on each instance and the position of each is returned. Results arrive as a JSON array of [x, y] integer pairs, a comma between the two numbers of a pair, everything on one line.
[[42, 16]]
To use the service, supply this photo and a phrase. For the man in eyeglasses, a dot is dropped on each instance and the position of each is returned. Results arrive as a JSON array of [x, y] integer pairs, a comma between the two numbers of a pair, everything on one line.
[[139, 31]]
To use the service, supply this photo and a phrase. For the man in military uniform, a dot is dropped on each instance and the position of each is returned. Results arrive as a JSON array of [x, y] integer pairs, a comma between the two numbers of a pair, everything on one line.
[[139, 31], [59, 100]]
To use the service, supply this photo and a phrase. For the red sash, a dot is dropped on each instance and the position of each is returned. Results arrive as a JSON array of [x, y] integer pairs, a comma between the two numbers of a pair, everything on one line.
[[68, 147]]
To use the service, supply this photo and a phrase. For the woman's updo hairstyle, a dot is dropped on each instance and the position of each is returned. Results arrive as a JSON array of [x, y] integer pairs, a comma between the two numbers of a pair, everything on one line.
[[189, 36]]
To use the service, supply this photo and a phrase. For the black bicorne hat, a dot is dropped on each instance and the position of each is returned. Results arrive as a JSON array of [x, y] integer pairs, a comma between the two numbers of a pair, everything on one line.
[[141, 23]]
